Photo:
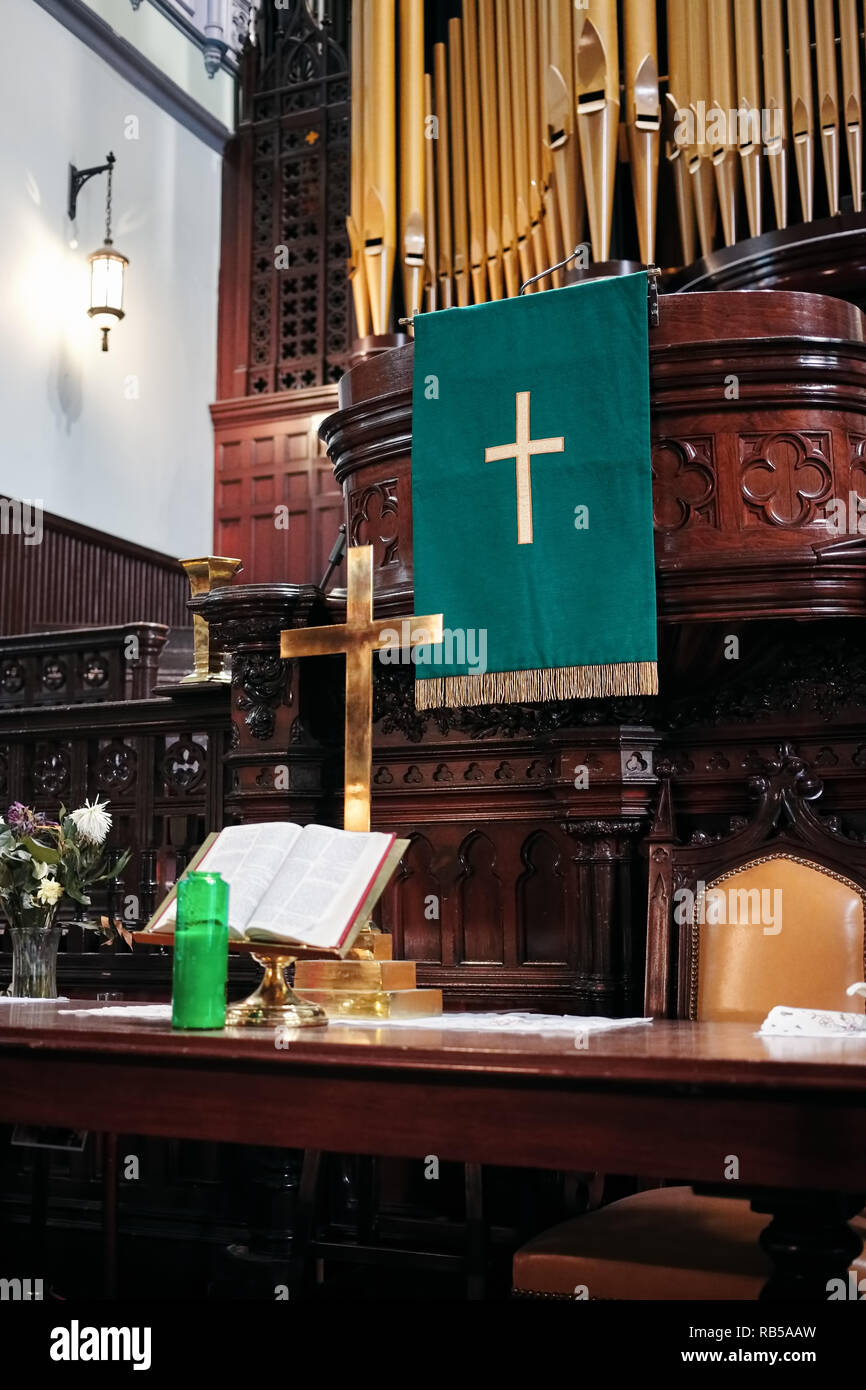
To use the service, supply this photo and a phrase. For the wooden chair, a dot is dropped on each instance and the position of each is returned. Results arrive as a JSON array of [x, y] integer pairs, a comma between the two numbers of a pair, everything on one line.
[[669, 1243]]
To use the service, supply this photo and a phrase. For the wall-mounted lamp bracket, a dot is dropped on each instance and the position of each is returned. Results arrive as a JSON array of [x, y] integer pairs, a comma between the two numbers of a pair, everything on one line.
[[78, 178]]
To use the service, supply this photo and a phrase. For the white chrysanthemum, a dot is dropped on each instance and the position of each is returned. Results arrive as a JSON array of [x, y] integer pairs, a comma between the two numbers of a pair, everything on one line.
[[92, 821], [50, 891]]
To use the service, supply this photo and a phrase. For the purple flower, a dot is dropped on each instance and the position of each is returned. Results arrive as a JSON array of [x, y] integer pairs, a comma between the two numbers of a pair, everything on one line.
[[21, 820]]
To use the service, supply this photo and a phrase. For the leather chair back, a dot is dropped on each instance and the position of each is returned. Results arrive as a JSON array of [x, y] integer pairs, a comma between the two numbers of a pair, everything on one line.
[[779, 930]]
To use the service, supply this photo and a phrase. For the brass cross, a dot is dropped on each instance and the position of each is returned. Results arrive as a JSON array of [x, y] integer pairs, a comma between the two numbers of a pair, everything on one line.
[[359, 637], [522, 451]]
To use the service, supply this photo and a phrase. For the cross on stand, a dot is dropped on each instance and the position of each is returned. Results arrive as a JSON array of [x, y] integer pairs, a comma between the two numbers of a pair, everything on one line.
[[522, 450], [358, 638]]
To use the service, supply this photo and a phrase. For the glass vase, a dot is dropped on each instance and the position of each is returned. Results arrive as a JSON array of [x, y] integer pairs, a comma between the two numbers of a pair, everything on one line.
[[34, 961]]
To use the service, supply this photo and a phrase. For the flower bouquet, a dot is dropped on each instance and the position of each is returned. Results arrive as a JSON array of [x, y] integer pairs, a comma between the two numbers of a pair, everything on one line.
[[43, 863]]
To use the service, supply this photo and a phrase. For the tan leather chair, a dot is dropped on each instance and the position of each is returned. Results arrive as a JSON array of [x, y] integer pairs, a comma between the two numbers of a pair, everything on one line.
[[668, 1243]]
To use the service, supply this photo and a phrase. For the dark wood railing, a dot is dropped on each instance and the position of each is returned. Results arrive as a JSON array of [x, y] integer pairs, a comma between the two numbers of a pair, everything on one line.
[[57, 572]]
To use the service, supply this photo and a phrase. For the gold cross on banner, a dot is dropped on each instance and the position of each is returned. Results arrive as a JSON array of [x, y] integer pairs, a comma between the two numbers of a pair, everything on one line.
[[522, 451], [359, 637]]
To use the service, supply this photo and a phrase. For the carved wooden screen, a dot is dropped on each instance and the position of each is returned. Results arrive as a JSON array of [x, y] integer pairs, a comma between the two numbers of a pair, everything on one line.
[[295, 116], [285, 325]]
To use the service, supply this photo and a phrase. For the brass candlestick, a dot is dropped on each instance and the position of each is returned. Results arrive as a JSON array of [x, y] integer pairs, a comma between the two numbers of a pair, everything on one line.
[[208, 572]]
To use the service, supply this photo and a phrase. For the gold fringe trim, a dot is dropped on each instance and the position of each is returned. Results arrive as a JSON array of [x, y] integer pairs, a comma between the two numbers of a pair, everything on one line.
[[531, 687]]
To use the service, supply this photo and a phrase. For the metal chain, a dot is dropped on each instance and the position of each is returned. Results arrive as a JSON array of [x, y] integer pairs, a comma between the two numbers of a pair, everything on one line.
[[108, 207]]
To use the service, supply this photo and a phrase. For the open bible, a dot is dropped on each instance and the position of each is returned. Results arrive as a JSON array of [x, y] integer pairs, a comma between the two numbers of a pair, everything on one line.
[[311, 885]]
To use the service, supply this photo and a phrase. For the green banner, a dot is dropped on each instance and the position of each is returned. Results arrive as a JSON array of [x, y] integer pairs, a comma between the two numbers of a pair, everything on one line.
[[532, 496]]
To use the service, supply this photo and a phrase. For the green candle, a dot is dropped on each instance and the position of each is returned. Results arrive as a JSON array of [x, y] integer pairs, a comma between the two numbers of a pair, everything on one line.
[[201, 952]]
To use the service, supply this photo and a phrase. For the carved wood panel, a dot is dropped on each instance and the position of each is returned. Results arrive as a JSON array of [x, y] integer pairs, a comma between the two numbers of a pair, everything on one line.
[[684, 483], [785, 476], [542, 902], [276, 505]]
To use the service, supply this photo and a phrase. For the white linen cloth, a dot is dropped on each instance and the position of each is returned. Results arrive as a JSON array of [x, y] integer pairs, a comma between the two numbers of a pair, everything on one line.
[[23, 999], [159, 1012], [813, 1023], [562, 1025]]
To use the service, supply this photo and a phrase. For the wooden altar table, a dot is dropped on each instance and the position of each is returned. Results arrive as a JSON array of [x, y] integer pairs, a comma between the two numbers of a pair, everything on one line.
[[671, 1098]]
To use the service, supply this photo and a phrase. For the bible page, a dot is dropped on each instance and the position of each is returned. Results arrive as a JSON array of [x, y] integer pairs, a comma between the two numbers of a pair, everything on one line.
[[320, 887], [249, 858]]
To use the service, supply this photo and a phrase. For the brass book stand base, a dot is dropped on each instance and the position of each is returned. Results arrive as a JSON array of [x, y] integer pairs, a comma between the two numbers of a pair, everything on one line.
[[367, 983], [273, 1004]]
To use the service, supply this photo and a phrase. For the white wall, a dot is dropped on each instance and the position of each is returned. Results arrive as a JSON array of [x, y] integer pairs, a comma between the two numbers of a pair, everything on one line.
[[121, 440]]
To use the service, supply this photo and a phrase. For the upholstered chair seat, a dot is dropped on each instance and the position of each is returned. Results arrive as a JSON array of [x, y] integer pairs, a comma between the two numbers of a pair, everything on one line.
[[668, 1243], [663, 1244]]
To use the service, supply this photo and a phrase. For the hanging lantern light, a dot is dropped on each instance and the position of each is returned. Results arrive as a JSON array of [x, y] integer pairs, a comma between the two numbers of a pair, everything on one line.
[[107, 266]]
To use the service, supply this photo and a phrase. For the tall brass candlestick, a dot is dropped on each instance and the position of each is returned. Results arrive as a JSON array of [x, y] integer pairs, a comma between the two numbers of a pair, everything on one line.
[[700, 157], [206, 573], [776, 106], [490, 133], [354, 222], [722, 102], [677, 107], [852, 101], [412, 151], [597, 84], [474, 155], [443, 177], [828, 97], [458, 161], [560, 133], [505, 97], [802, 109], [643, 114], [749, 109], [380, 170]]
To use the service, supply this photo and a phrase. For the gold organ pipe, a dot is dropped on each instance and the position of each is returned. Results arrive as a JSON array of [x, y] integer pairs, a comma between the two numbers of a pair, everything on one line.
[[354, 222], [458, 161], [643, 113], [802, 110], [560, 134], [431, 262], [443, 177], [520, 135], [526, 95], [700, 165], [678, 102], [597, 86], [474, 155], [749, 109], [776, 106], [504, 100], [852, 101], [722, 102], [532, 21], [380, 199], [828, 97], [551, 219], [412, 151], [490, 133]]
